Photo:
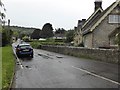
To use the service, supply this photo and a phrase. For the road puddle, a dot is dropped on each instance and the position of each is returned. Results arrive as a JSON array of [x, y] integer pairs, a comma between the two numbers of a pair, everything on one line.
[[45, 56], [28, 67], [59, 56]]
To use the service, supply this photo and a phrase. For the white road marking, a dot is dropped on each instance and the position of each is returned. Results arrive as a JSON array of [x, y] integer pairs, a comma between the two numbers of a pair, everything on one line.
[[83, 70], [20, 63], [17, 58]]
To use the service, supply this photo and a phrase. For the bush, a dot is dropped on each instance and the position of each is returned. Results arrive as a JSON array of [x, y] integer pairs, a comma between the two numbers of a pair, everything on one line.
[[35, 44], [6, 36], [26, 38]]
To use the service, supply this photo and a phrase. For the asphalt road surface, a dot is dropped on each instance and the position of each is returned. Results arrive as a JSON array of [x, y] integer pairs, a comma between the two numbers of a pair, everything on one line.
[[53, 70]]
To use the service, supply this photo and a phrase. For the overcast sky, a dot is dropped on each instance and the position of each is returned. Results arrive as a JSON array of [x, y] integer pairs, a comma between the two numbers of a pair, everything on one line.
[[60, 13]]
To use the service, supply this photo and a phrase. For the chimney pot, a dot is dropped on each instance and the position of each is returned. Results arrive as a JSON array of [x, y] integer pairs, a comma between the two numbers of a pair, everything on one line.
[[98, 4]]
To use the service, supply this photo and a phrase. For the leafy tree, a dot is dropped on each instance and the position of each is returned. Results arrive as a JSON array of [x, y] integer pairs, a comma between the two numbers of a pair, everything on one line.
[[2, 14], [25, 38], [6, 35], [1, 4], [69, 36], [60, 31], [36, 34], [47, 31], [15, 34]]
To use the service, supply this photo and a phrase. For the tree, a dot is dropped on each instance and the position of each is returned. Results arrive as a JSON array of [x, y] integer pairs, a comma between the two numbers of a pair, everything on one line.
[[69, 36], [36, 34], [6, 37], [60, 31], [47, 31], [2, 12], [25, 38]]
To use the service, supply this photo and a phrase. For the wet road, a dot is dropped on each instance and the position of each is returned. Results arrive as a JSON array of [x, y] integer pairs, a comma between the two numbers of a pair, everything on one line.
[[52, 70]]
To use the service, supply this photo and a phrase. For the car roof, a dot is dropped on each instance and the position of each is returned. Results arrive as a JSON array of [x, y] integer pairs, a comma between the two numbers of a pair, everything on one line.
[[24, 44]]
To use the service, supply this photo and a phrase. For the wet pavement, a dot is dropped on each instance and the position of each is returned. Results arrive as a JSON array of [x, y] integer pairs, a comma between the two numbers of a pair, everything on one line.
[[53, 70]]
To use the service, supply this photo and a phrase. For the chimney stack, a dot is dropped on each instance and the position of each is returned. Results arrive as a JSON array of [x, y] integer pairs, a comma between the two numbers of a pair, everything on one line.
[[98, 4], [8, 22], [81, 22]]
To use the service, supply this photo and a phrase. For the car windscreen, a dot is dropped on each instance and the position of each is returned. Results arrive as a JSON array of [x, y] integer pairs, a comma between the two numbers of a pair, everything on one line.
[[25, 46]]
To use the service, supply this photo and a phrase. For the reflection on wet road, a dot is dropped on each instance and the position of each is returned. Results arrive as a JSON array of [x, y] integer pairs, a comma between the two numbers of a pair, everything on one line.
[[52, 70]]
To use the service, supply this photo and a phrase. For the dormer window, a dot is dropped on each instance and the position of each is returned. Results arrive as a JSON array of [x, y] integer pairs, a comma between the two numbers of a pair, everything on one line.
[[114, 19]]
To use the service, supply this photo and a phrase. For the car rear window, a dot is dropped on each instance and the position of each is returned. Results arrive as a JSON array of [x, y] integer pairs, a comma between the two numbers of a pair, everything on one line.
[[25, 46]]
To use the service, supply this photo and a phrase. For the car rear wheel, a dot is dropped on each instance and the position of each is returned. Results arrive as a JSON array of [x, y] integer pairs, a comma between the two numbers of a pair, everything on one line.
[[18, 56], [31, 55]]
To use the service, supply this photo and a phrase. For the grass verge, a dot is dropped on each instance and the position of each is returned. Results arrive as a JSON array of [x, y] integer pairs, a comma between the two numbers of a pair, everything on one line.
[[8, 65], [0, 68]]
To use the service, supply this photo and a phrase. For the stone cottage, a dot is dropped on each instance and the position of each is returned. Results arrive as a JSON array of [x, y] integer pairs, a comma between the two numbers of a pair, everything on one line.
[[101, 28]]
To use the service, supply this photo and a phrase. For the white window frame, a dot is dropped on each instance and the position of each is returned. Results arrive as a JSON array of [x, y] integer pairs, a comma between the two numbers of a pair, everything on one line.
[[114, 19]]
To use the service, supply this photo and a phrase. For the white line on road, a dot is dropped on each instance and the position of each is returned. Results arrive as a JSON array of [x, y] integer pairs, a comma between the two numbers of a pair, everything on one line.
[[20, 63], [83, 70], [17, 57]]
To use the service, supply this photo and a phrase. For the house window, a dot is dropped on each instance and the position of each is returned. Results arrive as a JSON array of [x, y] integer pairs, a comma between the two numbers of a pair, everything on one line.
[[114, 18]]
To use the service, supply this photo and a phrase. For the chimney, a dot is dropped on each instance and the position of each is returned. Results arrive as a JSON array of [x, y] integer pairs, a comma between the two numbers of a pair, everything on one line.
[[98, 4], [75, 28], [81, 22], [8, 22]]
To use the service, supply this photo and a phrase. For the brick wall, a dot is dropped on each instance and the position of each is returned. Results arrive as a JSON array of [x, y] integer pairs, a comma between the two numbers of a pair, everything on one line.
[[105, 55]]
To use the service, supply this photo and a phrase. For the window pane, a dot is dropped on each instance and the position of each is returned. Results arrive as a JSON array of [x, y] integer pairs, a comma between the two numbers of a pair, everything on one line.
[[119, 19], [114, 18]]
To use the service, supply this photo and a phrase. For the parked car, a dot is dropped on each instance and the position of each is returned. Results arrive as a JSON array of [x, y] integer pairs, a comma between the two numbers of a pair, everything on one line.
[[24, 49]]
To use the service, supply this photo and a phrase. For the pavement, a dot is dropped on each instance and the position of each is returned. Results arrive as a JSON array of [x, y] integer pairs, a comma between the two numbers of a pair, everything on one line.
[[53, 70]]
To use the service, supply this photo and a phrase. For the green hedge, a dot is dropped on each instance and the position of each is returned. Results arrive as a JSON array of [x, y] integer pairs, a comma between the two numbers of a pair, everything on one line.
[[37, 44]]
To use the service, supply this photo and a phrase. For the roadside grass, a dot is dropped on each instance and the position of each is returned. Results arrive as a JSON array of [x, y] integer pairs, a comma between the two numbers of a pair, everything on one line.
[[8, 65], [0, 68]]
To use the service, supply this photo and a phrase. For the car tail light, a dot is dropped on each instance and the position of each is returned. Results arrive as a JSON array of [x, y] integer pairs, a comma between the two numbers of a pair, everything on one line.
[[31, 49], [17, 49]]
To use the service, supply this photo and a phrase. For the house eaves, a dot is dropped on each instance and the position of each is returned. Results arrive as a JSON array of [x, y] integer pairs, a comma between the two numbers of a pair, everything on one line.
[[107, 11], [92, 21], [99, 9], [87, 32]]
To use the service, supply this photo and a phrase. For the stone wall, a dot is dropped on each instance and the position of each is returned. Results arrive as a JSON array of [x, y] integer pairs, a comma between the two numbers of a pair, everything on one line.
[[106, 55]]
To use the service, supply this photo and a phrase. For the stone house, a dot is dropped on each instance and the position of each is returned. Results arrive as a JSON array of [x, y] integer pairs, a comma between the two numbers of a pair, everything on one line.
[[101, 28]]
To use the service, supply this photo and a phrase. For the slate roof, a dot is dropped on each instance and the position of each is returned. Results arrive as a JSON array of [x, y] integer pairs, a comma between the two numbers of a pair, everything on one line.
[[87, 28]]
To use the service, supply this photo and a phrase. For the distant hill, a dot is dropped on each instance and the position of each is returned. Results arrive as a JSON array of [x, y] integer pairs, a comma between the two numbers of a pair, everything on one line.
[[24, 30]]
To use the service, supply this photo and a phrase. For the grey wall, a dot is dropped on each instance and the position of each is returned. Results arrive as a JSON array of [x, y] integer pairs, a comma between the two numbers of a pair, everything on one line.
[[110, 56]]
